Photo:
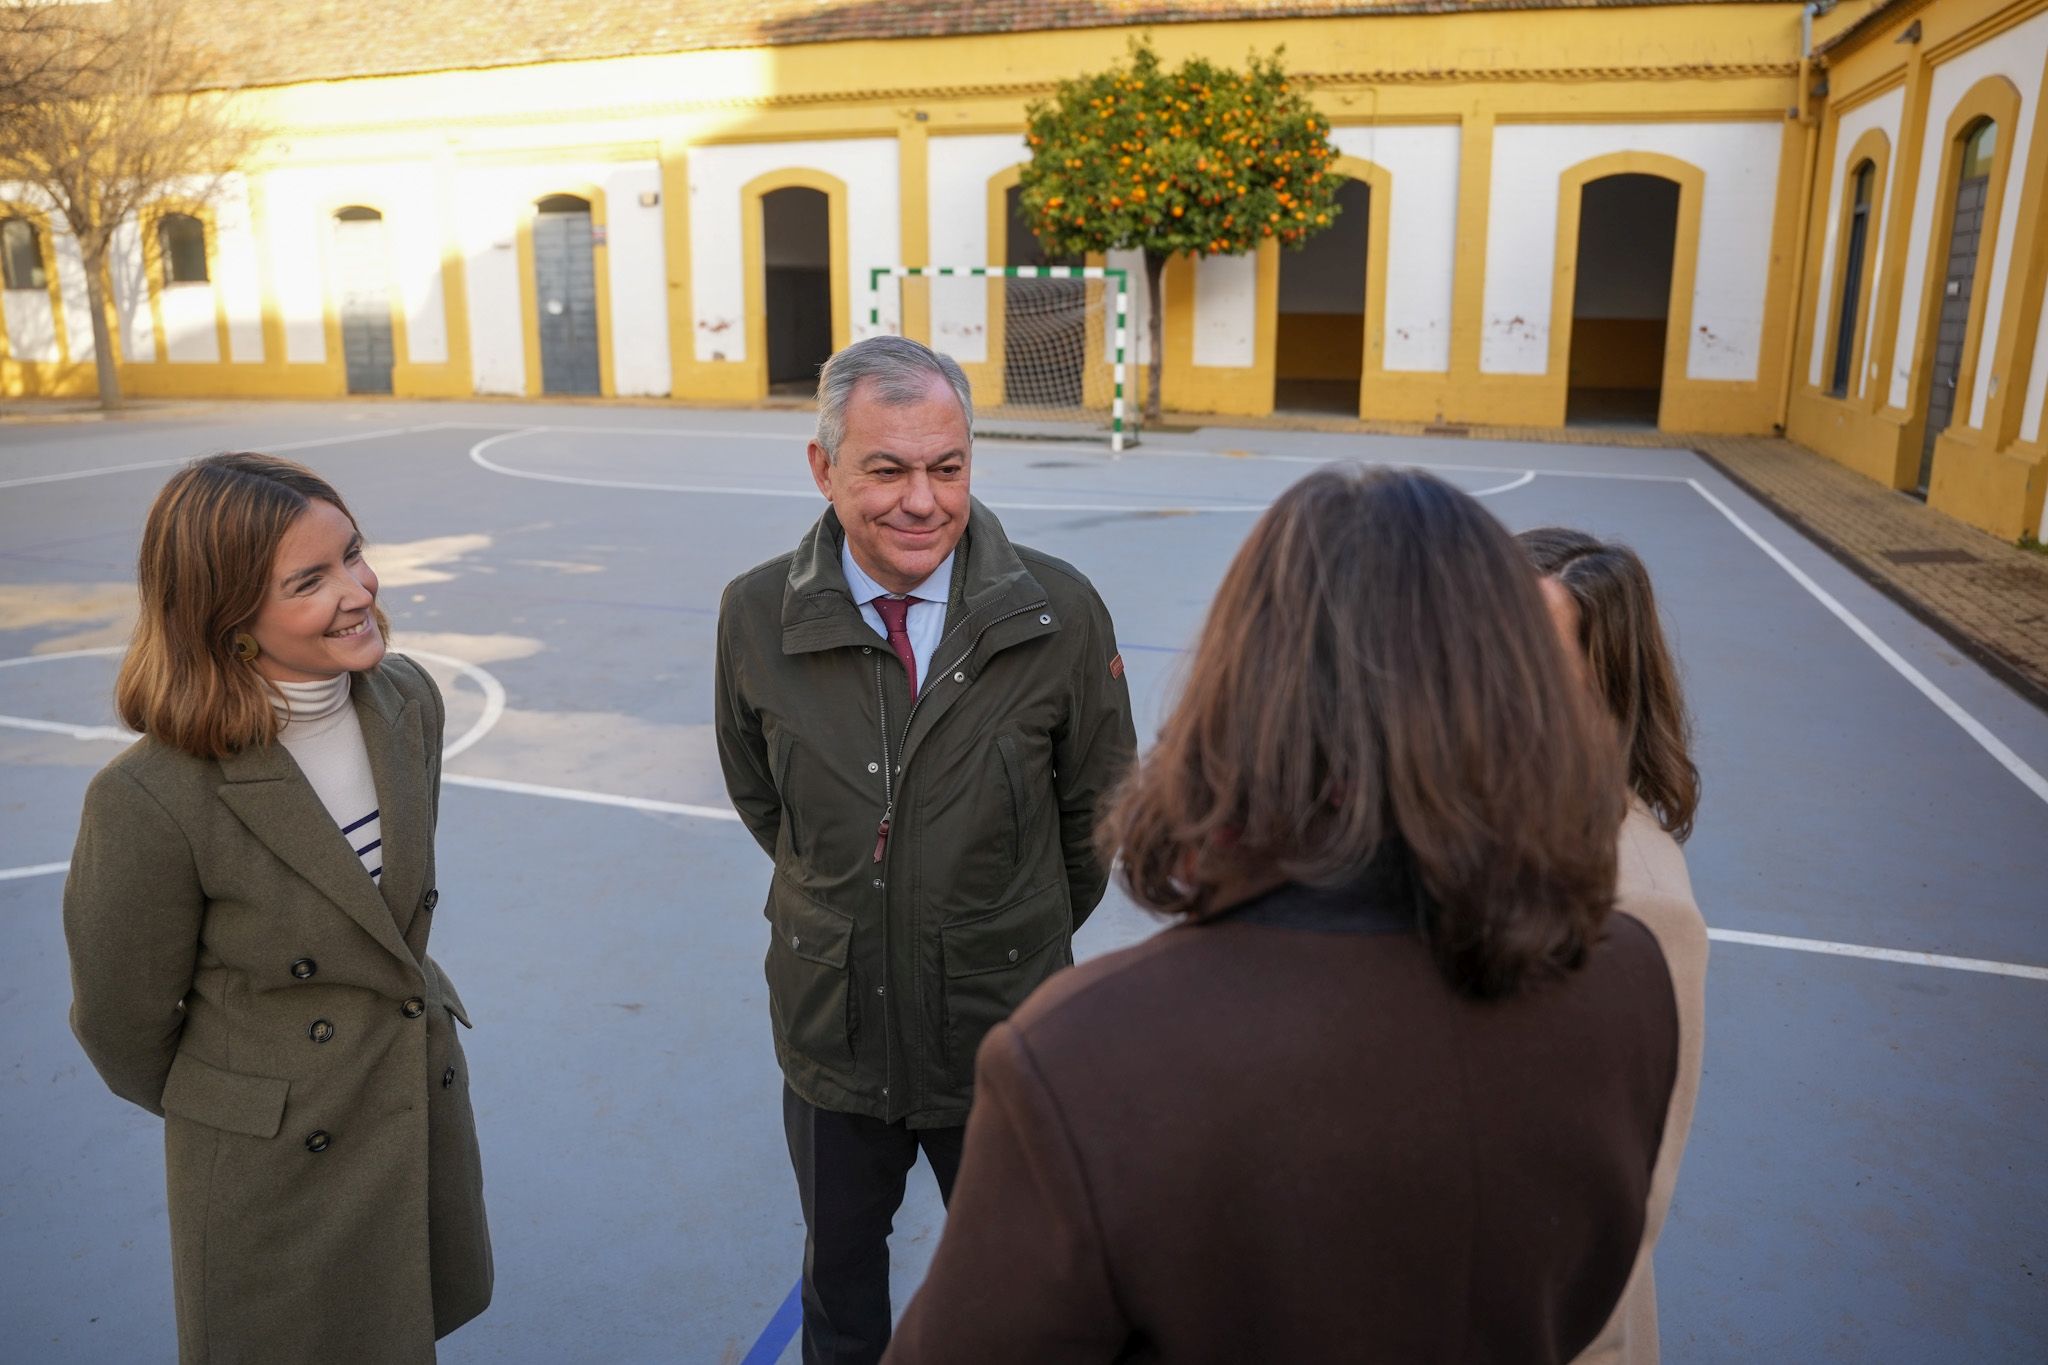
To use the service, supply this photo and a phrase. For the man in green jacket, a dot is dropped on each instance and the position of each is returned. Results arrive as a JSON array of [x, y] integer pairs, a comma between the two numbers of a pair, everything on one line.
[[918, 721]]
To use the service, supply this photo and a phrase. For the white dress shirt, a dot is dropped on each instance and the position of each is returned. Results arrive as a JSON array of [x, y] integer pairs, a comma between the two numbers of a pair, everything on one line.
[[925, 623]]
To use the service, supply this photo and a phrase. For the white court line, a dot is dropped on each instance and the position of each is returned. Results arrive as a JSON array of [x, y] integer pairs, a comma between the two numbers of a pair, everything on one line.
[[1947, 705], [493, 690], [477, 457], [1912, 959], [9, 874], [187, 459], [641, 803]]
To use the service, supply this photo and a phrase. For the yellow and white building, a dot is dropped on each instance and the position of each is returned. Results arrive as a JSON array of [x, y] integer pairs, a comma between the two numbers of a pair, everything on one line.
[[1729, 216]]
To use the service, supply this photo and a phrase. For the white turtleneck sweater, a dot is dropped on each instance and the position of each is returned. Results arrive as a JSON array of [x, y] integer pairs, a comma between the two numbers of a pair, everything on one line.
[[325, 738]]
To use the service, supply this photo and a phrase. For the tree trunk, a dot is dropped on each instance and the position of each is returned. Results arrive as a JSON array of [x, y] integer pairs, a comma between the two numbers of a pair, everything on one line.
[[1155, 271], [103, 358]]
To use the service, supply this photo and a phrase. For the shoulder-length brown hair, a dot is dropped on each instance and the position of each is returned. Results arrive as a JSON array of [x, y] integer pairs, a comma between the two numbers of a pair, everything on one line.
[[1378, 669], [208, 549], [1629, 664]]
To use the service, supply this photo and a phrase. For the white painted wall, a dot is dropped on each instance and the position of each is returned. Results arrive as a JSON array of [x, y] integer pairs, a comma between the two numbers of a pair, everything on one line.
[[2020, 53], [77, 306], [234, 270], [131, 294], [1882, 113], [491, 200], [1736, 219], [1423, 228], [869, 169], [31, 329], [1226, 310], [959, 171]]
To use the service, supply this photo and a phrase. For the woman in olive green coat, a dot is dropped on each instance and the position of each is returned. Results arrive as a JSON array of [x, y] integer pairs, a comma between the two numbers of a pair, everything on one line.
[[247, 914]]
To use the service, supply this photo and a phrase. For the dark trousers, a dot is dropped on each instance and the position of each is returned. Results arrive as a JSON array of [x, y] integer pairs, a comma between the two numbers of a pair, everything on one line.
[[850, 1172]]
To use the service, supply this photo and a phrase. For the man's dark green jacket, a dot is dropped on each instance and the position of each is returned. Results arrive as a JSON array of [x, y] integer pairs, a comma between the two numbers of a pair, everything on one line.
[[892, 956]]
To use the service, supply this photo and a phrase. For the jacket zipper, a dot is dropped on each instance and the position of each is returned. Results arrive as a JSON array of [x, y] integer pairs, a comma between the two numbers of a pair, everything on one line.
[[889, 809]]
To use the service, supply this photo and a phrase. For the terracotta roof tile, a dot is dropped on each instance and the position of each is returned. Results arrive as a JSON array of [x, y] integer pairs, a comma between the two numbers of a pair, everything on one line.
[[305, 40]]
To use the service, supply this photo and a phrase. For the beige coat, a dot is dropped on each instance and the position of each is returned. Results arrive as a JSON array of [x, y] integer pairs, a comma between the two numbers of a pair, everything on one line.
[[236, 971], [1652, 885]]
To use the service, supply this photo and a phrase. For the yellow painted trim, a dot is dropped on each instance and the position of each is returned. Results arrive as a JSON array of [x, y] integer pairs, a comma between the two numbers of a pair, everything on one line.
[[1995, 98], [1379, 182], [989, 376], [1875, 148], [153, 271], [1903, 455], [1691, 182], [754, 257], [460, 379], [529, 286], [23, 378], [913, 213], [1468, 269], [675, 241], [270, 312]]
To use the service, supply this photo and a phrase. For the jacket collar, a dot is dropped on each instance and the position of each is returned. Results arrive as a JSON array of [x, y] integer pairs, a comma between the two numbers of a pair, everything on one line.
[[1386, 897], [271, 796], [818, 610]]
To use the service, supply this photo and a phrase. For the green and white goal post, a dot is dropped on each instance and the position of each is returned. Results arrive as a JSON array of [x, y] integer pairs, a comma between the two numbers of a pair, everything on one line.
[[1111, 351]]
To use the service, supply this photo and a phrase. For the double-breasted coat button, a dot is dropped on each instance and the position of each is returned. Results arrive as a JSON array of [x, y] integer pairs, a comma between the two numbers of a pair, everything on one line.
[[304, 968], [321, 1031], [433, 898], [317, 1140], [414, 1008], [448, 1078]]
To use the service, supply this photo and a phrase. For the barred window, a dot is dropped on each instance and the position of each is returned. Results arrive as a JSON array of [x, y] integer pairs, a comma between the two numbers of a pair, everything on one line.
[[182, 239], [21, 255]]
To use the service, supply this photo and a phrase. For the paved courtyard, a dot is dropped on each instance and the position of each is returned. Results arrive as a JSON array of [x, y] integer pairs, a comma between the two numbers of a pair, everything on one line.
[[1865, 1181]]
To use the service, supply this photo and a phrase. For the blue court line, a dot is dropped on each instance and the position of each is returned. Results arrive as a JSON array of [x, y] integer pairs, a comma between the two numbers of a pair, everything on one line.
[[781, 1329]]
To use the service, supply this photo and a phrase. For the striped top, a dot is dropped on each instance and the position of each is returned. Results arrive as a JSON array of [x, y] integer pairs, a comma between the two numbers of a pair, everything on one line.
[[325, 738]]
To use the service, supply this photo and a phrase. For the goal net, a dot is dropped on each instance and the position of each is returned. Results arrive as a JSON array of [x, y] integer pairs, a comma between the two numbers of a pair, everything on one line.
[[1045, 347]]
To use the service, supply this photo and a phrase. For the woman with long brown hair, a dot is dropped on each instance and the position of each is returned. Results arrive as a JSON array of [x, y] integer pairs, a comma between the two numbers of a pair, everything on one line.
[[1606, 613], [1392, 1088], [247, 915]]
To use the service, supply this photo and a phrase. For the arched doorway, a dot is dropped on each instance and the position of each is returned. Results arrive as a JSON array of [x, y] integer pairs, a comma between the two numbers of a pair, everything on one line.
[[1320, 340], [796, 254], [1958, 283], [1861, 196], [1621, 300], [565, 289], [362, 298], [1045, 322]]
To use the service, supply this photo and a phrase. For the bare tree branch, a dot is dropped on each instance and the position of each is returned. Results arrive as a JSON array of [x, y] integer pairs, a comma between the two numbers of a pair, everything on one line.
[[106, 109]]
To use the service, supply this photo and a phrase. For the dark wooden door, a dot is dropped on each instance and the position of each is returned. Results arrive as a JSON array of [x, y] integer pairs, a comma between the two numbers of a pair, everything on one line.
[[1954, 320], [565, 282]]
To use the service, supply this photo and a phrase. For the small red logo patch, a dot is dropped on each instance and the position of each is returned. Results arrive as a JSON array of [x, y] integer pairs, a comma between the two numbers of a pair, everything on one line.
[[1116, 667]]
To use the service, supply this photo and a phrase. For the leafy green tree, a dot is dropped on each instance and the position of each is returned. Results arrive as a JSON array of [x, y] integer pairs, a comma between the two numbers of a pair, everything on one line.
[[1201, 160]]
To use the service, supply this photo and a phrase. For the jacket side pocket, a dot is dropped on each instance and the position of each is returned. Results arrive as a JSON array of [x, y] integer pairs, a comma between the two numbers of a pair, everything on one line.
[[227, 1100], [808, 978]]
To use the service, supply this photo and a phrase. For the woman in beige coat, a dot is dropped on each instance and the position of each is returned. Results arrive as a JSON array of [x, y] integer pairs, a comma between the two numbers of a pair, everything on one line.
[[247, 914], [1600, 598]]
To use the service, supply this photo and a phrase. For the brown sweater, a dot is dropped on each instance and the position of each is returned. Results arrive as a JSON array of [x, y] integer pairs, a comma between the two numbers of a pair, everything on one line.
[[1282, 1136]]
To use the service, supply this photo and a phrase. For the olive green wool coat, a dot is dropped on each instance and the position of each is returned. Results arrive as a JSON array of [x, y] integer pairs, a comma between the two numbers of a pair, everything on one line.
[[235, 970], [888, 960]]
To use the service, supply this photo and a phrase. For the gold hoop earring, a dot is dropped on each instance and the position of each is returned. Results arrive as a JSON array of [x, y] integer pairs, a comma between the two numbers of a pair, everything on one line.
[[246, 648]]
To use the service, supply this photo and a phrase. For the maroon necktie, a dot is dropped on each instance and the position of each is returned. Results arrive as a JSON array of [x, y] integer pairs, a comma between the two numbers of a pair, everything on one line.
[[895, 613]]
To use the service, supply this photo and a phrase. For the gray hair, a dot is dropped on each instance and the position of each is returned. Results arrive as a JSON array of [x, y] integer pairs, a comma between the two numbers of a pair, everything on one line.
[[903, 371]]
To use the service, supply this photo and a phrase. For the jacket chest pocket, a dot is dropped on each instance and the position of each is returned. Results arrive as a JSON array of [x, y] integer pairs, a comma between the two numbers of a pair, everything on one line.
[[994, 961], [808, 979]]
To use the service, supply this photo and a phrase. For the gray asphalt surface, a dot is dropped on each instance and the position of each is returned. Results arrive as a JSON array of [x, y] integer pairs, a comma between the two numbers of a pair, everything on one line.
[[1865, 1180]]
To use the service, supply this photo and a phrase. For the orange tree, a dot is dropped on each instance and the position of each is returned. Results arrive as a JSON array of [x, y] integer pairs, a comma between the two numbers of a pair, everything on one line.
[[1202, 159]]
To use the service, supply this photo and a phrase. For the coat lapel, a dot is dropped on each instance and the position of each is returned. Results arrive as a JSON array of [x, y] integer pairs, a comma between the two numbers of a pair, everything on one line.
[[272, 798], [392, 734]]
